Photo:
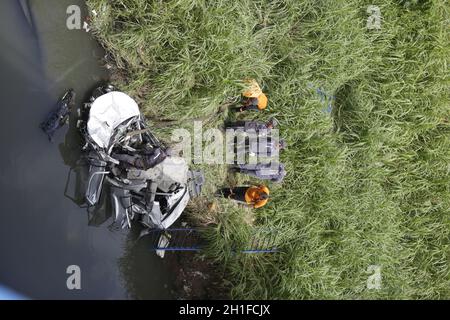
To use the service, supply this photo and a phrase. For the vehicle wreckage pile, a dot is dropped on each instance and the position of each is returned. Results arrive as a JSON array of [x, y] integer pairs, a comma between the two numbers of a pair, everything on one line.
[[147, 184]]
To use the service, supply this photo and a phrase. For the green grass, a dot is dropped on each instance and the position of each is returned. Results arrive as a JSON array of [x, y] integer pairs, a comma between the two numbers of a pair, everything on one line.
[[368, 184]]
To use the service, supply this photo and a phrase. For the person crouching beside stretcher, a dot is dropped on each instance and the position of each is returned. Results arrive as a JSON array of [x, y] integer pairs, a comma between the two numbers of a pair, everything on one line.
[[253, 98], [254, 104], [254, 196]]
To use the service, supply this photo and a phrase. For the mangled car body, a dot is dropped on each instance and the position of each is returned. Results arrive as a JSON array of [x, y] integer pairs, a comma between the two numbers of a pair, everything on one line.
[[146, 182]]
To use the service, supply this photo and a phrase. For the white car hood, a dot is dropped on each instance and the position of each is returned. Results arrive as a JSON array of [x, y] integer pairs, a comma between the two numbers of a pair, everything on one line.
[[107, 112]]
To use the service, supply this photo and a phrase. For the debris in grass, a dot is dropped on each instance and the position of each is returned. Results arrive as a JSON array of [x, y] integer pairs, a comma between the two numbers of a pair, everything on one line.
[[86, 26]]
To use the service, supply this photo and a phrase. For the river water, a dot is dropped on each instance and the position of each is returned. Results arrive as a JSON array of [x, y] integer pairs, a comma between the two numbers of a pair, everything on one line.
[[42, 231]]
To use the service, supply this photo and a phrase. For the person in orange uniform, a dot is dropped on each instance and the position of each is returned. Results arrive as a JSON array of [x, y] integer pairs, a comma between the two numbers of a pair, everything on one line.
[[253, 98], [256, 104], [254, 196]]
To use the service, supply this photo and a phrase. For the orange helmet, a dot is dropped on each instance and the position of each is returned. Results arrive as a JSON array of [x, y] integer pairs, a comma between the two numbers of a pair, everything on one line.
[[262, 101]]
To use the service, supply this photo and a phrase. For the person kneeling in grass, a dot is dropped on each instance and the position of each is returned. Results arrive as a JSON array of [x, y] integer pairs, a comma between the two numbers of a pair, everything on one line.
[[254, 103], [254, 196], [252, 98]]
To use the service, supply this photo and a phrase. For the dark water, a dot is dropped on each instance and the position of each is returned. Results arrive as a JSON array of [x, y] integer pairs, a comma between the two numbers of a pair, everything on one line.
[[42, 232]]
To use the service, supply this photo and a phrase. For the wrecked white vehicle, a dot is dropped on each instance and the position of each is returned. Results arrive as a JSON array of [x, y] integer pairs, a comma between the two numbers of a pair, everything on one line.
[[146, 183]]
